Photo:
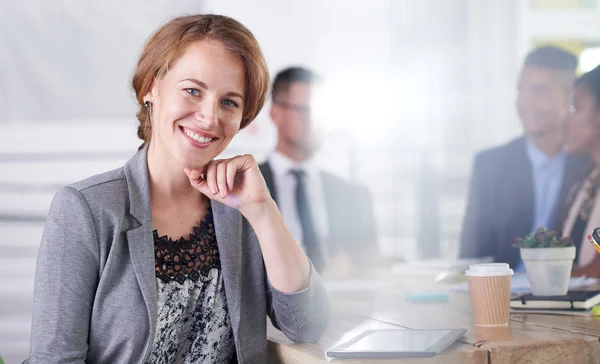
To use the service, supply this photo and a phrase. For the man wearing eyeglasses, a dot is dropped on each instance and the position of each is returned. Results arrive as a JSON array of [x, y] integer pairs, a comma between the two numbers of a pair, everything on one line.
[[331, 219]]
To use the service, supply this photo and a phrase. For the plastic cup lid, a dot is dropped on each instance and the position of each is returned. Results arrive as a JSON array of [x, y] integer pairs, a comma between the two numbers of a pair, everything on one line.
[[489, 270]]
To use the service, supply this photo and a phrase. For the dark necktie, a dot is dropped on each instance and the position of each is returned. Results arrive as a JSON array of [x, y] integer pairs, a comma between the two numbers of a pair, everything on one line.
[[309, 233]]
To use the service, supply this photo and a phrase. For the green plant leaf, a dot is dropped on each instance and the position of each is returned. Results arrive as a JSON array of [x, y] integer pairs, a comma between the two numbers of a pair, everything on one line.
[[542, 238]]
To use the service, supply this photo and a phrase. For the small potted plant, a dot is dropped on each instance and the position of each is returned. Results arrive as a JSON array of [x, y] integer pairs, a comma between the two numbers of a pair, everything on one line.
[[548, 259]]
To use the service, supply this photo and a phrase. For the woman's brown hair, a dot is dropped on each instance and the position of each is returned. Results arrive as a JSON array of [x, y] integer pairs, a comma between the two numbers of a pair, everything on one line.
[[171, 40]]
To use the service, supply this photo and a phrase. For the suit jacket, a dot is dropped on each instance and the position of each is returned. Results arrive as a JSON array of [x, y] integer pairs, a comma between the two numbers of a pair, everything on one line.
[[501, 201], [95, 295], [351, 221]]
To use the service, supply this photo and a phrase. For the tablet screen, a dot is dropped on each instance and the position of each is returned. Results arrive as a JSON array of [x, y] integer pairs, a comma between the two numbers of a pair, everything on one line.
[[398, 340]]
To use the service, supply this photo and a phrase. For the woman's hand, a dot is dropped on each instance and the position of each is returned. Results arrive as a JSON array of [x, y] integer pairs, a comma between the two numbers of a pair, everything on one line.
[[238, 183], [235, 182]]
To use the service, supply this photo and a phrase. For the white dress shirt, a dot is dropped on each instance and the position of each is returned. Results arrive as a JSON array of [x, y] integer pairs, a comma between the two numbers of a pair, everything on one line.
[[285, 185]]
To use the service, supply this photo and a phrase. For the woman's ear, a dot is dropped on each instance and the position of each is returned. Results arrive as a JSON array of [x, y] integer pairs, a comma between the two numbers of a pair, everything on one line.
[[152, 94]]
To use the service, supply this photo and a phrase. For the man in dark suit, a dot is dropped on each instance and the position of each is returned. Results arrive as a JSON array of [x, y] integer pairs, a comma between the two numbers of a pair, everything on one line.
[[331, 219], [517, 187]]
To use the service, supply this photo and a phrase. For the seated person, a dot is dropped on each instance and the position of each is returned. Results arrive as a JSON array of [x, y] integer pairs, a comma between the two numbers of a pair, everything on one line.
[[518, 187], [331, 219], [583, 137]]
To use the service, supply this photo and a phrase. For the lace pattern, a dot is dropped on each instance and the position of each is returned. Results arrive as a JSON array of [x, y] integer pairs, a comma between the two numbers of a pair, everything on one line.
[[193, 324], [187, 259]]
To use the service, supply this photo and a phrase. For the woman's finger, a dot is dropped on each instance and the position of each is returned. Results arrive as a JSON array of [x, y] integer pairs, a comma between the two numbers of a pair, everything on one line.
[[197, 179], [195, 176], [232, 169], [222, 177], [211, 177]]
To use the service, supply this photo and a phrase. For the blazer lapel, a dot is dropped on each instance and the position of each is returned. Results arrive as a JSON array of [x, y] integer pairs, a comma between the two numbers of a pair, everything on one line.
[[228, 229], [141, 250], [139, 238]]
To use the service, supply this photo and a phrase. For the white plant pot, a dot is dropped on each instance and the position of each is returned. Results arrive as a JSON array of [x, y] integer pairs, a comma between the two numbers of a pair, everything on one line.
[[548, 269]]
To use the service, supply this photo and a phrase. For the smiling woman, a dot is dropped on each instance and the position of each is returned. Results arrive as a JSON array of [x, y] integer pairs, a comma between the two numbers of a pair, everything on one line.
[[177, 257], [168, 45], [197, 105]]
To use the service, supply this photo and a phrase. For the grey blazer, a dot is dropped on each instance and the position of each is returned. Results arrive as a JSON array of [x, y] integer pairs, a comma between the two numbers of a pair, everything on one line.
[[95, 295]]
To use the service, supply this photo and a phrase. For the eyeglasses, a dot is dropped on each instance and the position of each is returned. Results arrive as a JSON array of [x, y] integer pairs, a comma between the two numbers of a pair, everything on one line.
[[304, 110]]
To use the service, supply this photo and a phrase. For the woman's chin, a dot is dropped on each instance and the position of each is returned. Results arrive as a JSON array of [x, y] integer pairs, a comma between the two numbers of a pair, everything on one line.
[[194, 162], [190, 158]]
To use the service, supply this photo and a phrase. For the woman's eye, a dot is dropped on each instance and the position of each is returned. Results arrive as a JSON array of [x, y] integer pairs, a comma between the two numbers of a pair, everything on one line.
[[193, 91], [229, 103]]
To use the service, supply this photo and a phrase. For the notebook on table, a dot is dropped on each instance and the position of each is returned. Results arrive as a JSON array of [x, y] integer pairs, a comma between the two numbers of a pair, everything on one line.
[[572, 301]]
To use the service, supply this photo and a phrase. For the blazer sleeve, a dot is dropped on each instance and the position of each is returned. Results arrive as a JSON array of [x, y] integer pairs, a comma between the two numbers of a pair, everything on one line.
[[302, 316], [65, 282], [477, 228]]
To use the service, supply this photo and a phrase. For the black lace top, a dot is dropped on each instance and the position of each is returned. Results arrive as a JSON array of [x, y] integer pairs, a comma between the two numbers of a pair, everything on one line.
[[187, 259], [193, 323]]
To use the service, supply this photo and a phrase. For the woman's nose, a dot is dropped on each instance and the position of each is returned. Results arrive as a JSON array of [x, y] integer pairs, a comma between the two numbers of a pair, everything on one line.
[[207, 113]]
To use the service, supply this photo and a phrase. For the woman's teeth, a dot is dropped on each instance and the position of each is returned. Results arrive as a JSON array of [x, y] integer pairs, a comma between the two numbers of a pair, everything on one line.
[[197, 137]]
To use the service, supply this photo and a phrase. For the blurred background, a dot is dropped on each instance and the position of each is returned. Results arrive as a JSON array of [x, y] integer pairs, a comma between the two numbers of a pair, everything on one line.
[[413, 89]]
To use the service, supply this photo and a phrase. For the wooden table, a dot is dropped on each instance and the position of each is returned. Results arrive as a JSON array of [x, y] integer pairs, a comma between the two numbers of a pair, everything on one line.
[[529, 338]]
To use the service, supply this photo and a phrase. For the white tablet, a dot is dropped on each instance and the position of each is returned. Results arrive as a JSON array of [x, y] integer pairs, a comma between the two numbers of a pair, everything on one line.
[[392, 344]]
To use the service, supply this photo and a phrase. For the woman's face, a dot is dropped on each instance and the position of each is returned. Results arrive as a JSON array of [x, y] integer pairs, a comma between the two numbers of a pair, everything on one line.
[[583, 124], [197, 106]]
